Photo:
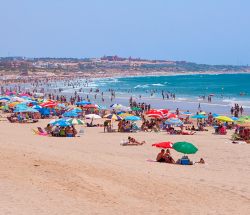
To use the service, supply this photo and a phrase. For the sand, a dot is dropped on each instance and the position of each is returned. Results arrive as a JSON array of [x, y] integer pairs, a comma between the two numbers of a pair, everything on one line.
[[94, 174]]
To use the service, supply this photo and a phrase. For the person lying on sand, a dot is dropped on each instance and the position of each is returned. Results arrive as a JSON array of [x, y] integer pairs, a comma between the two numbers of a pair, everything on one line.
[[132, 142], [202, 161]]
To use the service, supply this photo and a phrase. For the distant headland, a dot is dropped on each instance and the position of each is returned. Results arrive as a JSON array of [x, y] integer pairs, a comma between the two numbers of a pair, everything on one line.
[[107, 66]]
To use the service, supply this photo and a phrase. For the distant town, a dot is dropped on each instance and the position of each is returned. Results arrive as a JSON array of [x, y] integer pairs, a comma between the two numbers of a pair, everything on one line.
[[105, 66]]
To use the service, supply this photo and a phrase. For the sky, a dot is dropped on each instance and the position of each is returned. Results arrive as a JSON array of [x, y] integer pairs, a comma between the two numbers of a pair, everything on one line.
[[201, 31]]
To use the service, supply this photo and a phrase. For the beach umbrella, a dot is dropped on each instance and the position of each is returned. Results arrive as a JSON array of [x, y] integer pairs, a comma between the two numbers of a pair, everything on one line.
[[234, 118], [185, 147], [4, 99], [224, 119], [165, 145], [75, 121], [198, 116], [215, 115], [115, 105], [16, 99], [171, 115], [173, 121], [37, 107], [92, 116], [132, 118], [61, 105], [153, 111], [164, 111], [25, 110], [187, 113], [77, 110], [155, 115], [136, 109], [102, 107], [49, 104], [13, 104], [203, 113], [70, 114], [61, 122], [83, 103], [123, 115], [90, 106], [113, 116]]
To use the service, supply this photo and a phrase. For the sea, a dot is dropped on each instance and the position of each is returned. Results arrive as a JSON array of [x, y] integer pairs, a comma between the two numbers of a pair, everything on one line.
[[191, 91]]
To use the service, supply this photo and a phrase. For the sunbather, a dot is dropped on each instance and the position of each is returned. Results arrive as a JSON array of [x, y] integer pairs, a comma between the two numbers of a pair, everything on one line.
[[134, 141], [160, 157]]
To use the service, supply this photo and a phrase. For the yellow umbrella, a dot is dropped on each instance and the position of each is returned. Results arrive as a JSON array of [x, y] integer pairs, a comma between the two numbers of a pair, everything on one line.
[[203, 113], [123, 115], [224, 118], [13, 104]]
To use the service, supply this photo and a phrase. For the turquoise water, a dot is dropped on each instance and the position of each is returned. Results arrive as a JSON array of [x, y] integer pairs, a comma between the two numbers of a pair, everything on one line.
[[223, 86]]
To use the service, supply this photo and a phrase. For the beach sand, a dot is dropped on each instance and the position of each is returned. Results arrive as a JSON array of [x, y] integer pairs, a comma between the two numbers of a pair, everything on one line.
[[94, 174]]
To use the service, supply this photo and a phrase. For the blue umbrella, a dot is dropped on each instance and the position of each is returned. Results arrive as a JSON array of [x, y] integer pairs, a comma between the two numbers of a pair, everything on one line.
[[70, 114], [199, 116], [37, 107], [234, 118], [215, 115], [25, 110], [61, 105], [132, 118], [187, 113], [83, 103], [4, 99], [61, 122], [173, 121]]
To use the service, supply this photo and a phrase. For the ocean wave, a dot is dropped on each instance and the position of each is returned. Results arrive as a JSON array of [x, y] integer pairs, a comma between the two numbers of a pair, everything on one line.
[[141, 86], [159, 85]]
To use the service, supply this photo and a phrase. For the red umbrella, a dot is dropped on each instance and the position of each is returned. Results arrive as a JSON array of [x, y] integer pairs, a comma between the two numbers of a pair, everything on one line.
[[155, 115], [164, 111], [49, 104], [171, 115], [164, 145], [153, 111], [90, 106]]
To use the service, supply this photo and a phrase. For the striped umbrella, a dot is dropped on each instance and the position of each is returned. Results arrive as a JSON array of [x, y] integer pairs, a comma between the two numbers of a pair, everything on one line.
[[113, 116], [75, 121]]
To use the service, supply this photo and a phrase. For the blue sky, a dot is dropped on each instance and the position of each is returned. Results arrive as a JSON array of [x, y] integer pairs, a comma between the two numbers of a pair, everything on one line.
[[202, 31]]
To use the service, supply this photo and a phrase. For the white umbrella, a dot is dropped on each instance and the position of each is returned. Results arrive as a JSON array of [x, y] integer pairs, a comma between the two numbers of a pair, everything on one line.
[[92, 116]]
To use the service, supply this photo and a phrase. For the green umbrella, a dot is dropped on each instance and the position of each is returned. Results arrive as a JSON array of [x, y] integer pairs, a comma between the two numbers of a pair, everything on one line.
[[135, 108], [185, 147], [75, 121]]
